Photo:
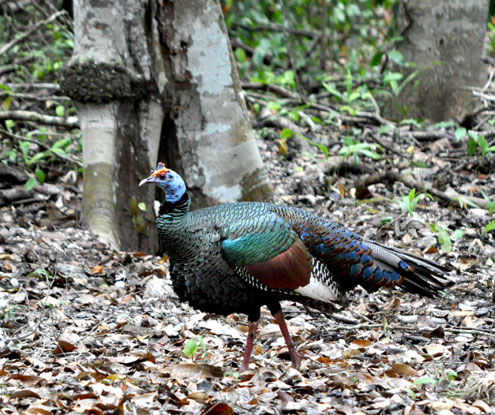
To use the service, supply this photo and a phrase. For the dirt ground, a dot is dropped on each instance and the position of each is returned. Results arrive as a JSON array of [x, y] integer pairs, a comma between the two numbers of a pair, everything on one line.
[[84, 329]]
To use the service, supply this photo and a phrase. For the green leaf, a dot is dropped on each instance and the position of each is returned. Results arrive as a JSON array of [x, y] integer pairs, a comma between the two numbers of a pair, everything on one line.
[[63, 142], [371, 154], [444, 124], [460, 133], [6, 103], [490, 227], [240, 55], [30, 184], [60, 110], [59, 151], [39, 273], [458, 234], [472, 146], [444, 240], [190, 348], [40, 174], [376, 59], [142, 206], [411, 393], [425, 380], [9, 124], [24, 146], [322, 147], [332, 90], [392, 76], [36, 158], [202, 344], [396, 56], [451, 374], [5, 88], [286, 133]]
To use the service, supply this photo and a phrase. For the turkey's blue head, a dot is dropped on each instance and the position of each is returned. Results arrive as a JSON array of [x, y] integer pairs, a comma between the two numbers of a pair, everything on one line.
[[169, 181]]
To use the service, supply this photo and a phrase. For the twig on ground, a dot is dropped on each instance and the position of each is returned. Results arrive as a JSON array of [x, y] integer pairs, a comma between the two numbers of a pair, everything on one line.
[[450, 195], [70, 122], [34, 97], [272, 27], [277, 89]]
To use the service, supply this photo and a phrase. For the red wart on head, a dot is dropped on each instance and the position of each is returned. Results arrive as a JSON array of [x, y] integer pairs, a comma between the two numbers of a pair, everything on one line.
[[160, 169]]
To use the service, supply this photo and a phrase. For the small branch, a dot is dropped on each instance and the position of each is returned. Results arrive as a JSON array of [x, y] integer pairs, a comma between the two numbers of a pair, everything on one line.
[[283, 92], [450, 196], [19, 39], [34, 85], [271, 27], [33, 97], [70, 122], [430, 135], [13, 66]]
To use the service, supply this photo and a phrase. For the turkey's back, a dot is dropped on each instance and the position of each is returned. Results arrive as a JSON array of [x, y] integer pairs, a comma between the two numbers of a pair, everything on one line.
[[202, 275]]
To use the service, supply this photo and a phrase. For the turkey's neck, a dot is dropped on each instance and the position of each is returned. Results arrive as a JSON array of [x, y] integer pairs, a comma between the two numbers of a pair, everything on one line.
[[177, 209], [171, 222]]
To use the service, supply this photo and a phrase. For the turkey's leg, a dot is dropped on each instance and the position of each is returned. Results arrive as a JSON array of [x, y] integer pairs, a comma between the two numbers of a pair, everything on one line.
[[294, 355], [253, 326]]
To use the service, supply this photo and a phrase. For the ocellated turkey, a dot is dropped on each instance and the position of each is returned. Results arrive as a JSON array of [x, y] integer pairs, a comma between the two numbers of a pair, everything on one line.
[[239, 257]]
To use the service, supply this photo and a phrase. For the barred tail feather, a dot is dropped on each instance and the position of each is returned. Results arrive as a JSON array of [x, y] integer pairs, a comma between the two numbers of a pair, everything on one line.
[[419, 275]]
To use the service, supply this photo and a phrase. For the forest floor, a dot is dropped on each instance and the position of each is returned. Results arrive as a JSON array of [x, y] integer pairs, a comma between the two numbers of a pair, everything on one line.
[[84, 329]]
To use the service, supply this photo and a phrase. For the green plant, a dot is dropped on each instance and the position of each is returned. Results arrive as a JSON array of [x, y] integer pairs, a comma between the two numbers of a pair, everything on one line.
[[352, 147], [392, 80], [425, 380], [191, 347], [476, 142], [9, 311], [321, 147], [463, 201], [490, 227], [490, 204], [409, 202], [7, 101], [444, 238], [491, 38]]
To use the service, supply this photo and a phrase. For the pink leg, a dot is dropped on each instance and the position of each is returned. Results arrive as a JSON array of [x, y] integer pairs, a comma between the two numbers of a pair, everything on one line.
[[253, 326], [294, 355]]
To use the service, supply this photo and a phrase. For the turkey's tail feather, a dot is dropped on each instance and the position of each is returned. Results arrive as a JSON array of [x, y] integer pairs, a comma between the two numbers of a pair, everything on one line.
[[418, 275]]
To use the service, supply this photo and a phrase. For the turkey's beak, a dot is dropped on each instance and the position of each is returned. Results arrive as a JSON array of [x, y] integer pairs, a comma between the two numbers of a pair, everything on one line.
[[150, 179]]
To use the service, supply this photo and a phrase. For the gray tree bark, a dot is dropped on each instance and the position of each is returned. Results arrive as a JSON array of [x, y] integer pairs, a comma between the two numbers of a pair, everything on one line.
[[156, 80], [444, 38]]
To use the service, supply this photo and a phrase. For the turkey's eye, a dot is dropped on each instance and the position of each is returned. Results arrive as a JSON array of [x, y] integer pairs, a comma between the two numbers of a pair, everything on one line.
[[161, 177]]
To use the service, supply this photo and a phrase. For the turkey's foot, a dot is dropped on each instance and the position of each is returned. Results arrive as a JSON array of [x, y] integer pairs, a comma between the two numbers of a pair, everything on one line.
[[253, 326], [295, 356]]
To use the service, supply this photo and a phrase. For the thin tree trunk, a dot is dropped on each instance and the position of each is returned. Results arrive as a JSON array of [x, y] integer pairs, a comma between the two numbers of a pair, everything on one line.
[[207, 134]]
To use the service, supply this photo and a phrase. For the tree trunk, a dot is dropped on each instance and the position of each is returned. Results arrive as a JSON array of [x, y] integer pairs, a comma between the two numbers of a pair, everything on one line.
[[444, 39], [157, 78]]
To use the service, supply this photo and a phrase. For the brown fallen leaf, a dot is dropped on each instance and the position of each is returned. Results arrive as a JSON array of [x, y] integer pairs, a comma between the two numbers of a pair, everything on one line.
[[25, 393], [64, 347], [360, 344], [191, 370], [401, 369], [198, 396], [97, 269], [218, 408], [28, 380]]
